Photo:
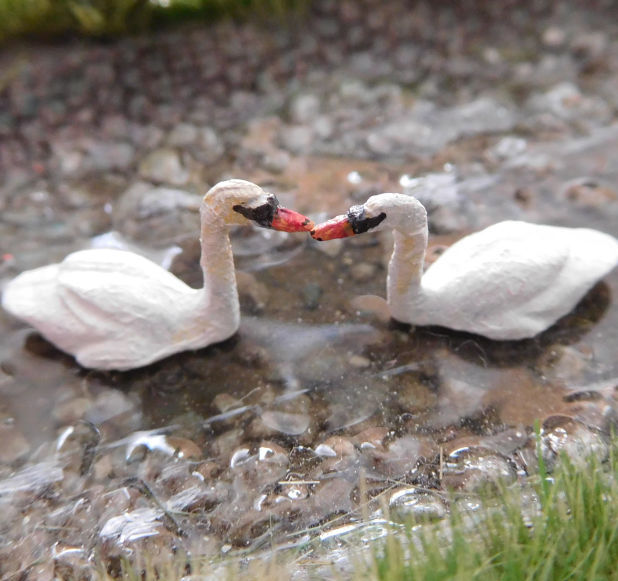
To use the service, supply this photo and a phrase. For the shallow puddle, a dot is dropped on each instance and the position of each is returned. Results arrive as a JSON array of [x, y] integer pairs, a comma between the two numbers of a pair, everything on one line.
[[317, 403]]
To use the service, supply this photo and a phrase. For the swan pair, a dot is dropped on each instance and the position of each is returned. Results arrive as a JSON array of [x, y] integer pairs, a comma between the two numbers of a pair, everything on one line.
[[113, 309]]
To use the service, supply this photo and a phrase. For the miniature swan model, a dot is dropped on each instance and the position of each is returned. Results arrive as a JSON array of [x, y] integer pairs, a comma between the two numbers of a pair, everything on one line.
[[509, 281], [114, 309]]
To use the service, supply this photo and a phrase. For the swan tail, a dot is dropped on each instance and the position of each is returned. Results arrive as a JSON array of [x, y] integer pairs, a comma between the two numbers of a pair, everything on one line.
[[30, 293]]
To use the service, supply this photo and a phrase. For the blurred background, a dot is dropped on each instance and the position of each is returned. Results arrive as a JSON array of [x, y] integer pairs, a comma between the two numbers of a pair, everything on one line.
[[106, 18]]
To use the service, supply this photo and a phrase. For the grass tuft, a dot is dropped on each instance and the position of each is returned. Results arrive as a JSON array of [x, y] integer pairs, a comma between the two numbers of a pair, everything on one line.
[[565, 527]]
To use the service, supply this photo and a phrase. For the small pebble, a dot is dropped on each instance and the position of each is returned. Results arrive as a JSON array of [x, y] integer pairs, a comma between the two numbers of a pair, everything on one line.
[[163, 166], [363, 271], [312, 293]]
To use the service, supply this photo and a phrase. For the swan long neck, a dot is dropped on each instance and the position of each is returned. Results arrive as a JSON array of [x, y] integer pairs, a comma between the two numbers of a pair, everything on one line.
[[219, 296], [405, 271]]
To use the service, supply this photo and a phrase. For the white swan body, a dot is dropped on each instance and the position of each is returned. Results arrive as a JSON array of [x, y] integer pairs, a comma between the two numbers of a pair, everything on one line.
[[114, 309], [509, 281]]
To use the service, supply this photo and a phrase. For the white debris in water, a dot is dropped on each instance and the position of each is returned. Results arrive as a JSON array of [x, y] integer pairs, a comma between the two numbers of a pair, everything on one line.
[[354, 177], [33, 477], [150, 441], [326, 451], [240, 457], [134, 525]]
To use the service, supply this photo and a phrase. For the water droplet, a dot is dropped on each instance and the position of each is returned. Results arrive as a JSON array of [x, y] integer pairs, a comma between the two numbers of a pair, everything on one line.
[[259, 501], [325, 451], [265, 453], [239, 457]]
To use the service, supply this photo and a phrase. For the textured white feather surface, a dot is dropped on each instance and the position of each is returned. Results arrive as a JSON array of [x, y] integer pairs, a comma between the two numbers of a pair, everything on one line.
[[510, 281], [110, 308]]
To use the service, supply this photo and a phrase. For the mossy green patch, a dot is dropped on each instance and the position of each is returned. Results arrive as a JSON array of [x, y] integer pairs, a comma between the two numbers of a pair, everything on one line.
[[105, 18]]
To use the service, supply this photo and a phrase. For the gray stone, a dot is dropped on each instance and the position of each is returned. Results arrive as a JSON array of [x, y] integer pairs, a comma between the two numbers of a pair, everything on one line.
[[182, 135], [146, 136], [285, 422], [554, 37], [106, 156], [363, 271], [566, 102], [276, 161], [209, 148], [411, 504], [508, 147], [312, 292], [563, 434], [304, 108], [164, 166], [153, 215], [323, 127], [296, 138], [474, 468], [426, 129]]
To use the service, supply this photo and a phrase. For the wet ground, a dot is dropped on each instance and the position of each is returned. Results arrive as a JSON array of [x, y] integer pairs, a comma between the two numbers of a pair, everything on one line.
[[320, 410]]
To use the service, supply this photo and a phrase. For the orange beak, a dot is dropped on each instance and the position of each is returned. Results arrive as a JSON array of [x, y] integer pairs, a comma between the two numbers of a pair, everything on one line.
[[291, 221], [338, 227]]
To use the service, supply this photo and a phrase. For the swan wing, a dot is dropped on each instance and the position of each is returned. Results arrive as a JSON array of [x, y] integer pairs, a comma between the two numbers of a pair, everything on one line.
[[113, 291], [110, 304], [506, 258], [516, 278]]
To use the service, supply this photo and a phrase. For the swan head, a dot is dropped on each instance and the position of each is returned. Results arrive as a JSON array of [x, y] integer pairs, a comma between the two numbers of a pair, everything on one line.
[[380, 212], [240, 202]]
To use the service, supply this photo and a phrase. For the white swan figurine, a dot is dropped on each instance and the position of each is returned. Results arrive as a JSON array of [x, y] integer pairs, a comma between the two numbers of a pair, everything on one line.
[[509, 281], [114, 309]]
